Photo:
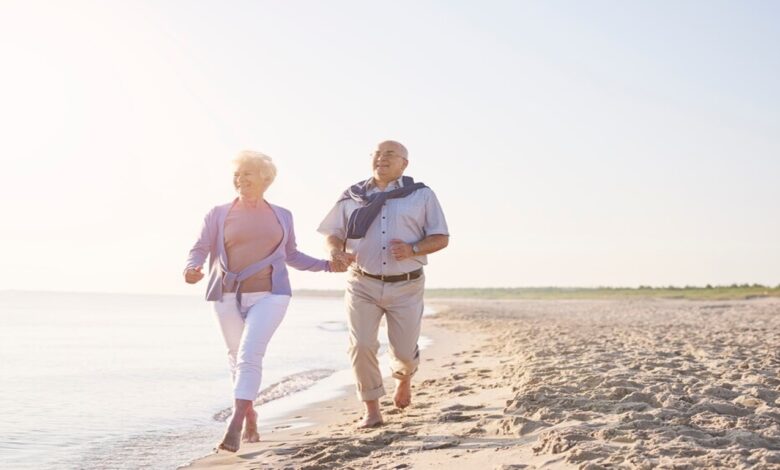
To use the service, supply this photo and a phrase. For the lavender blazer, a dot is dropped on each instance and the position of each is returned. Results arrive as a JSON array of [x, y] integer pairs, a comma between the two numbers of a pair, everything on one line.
[[211, 244]]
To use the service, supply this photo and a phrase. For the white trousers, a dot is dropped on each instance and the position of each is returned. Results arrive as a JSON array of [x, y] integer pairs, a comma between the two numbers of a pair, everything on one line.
[[247, 339]]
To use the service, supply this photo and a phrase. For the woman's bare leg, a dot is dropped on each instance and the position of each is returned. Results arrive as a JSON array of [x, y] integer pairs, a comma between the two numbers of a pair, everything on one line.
[[250, 427], [232, 439]]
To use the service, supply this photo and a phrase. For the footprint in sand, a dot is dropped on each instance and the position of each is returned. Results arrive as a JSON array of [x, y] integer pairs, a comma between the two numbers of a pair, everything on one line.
[[459, 407], [440, 444], [478, 429], [454, 417]]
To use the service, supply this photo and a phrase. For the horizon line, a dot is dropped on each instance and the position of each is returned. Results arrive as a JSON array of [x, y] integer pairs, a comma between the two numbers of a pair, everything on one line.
[[504, 288]]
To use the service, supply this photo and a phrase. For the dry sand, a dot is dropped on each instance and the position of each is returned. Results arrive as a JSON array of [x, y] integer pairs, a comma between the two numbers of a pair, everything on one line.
[[564, 384]]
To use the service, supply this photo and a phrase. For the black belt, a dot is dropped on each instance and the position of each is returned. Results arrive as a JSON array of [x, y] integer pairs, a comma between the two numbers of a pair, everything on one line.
[[394, 278]]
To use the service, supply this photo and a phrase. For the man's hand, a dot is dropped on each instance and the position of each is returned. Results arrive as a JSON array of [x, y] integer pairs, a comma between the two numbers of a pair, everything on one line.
[[340, 261], [193, 275], [400, 249]]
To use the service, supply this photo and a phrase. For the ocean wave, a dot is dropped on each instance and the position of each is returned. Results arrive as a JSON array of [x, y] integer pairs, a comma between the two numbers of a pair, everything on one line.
[[287, 386], [332, 326]]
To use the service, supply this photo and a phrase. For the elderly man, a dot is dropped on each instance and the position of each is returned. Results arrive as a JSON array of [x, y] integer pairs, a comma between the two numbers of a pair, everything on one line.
[[386, 226]]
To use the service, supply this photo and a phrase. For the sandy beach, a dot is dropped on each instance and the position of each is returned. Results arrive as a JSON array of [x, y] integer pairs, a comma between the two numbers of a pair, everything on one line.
[[635, 384]]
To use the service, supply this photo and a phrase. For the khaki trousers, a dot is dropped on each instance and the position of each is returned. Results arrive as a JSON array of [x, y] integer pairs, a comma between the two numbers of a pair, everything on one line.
[[401, 303]]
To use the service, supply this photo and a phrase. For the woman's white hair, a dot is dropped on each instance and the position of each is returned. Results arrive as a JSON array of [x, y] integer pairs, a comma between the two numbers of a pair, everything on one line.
[[258, 160]]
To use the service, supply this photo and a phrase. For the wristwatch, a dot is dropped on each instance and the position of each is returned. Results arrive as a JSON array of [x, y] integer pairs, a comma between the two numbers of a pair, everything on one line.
[[415, 248]]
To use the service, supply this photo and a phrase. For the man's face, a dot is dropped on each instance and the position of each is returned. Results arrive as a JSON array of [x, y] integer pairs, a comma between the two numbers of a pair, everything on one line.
[[389, 162]]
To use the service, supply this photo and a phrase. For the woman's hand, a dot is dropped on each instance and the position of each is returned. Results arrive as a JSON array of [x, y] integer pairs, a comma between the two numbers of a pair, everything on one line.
[[193, 275], [340, 261]]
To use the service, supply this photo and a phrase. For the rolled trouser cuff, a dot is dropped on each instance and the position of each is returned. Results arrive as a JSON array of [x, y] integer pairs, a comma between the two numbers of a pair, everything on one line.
[[403, 375], [373, 394], [404, 368], [244, 395]]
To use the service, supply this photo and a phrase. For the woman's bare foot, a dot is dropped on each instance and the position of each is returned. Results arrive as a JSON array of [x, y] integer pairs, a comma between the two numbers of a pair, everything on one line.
[[232, 439], [403, 392], [250, 427]]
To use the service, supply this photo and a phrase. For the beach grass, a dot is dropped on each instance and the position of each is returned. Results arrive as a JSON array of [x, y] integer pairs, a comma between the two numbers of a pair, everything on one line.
[[733, 292], [709, 292]]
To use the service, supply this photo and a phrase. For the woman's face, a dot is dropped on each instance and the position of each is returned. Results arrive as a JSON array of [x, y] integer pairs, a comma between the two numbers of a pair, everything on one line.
[[249, 181]]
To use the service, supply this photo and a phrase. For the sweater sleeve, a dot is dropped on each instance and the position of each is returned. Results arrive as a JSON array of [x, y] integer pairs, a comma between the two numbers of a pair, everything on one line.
[[299, 260], [205, 244]]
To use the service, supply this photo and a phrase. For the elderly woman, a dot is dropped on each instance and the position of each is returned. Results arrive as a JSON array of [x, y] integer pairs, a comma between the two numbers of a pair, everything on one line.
[[248, 243]]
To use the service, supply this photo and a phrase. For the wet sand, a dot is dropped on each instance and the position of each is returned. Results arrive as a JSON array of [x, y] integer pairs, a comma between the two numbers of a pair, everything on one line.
[[635, 384]]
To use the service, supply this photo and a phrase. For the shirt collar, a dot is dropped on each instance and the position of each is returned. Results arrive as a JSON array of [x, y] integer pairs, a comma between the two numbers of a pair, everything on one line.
[[399, 183]]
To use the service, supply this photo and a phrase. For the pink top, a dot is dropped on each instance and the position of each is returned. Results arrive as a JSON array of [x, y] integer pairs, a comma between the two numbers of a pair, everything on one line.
[[252, 234], [211, 245]]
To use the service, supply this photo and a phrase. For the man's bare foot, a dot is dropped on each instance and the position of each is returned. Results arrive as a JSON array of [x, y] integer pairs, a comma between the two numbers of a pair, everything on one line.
[[403, 392], [369, 422], [250, 427], [232, 439], [372, 417]]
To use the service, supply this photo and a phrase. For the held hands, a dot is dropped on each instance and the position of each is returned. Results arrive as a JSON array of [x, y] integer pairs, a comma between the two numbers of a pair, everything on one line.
[[400, 249], [193, 275], [340, 261]]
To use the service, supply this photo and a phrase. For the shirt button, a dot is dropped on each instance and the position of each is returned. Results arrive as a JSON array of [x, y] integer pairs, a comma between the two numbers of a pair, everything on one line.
[[383, 231], [383, 217], [384, 263], [384, 247]]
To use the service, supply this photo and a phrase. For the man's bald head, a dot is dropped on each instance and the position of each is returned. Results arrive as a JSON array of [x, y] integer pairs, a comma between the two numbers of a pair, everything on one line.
[[389, 161], [395, 145]]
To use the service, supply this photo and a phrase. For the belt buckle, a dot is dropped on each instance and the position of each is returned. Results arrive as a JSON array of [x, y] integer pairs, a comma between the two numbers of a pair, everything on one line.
[[382, 277], [409, 276]]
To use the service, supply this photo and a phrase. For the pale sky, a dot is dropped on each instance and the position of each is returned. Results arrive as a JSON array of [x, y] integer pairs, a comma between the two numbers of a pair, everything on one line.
[[570, 143]]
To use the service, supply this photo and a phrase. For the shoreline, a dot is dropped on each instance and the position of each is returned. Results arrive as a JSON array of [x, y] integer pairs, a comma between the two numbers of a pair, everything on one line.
[[314, 419], [290, 410], [591, 384]]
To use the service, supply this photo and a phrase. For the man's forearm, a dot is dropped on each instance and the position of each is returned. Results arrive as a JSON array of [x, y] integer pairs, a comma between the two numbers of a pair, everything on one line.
[[340, 260], [432, 244], [334, 243]]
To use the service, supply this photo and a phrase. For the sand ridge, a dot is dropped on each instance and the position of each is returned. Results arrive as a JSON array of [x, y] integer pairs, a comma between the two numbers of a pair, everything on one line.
[[642, 384], [634, 384]]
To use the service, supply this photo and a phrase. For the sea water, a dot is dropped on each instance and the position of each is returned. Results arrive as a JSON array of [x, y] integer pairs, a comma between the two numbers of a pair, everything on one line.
[[113, 381]]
